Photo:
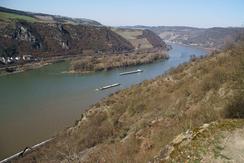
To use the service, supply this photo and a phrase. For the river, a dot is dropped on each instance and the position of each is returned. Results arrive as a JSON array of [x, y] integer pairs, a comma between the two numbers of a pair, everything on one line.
[[36, 104]]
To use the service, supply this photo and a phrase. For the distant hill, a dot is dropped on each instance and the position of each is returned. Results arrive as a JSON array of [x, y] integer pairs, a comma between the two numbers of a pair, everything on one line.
[[10, 15], [215, 37]]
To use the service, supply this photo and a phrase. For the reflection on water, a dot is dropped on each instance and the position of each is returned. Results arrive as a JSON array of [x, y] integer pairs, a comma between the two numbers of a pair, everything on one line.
[[35, 105]]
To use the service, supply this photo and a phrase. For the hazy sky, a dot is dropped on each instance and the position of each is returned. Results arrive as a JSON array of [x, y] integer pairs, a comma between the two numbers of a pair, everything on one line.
[[198, 13]]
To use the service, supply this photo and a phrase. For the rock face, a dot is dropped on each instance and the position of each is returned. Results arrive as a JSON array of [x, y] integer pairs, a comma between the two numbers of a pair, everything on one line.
[[47, 39], [25, 32]]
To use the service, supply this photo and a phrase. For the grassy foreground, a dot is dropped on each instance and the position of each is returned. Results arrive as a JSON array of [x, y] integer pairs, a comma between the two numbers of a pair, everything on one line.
[[135, 124], [219, 141]]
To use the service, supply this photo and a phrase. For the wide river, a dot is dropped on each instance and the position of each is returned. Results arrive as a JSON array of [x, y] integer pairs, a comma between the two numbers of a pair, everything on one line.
[[36, 104]]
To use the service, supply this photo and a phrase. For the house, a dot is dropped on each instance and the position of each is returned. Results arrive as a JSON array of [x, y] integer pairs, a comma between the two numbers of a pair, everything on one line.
[[26, 57], [17, 58], [3, 60], [10, 60]]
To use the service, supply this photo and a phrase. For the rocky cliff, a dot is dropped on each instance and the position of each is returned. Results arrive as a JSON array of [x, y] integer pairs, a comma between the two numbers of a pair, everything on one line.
[[48, 39], [47, 35]]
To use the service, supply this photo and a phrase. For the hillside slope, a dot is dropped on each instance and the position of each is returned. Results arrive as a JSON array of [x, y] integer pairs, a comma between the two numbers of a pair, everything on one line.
[[135, 124]]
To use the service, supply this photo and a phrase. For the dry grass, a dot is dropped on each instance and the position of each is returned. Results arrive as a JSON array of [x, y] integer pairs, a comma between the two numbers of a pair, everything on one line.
[[218, 142]]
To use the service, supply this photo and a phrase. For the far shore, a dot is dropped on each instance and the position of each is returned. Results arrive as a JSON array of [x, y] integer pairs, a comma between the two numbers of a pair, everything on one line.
[[208, 49], [35, 65], [25, 67], [80, 59]]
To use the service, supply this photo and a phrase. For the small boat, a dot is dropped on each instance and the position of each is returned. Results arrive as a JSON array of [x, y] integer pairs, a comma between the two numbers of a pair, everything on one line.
[[131, 72], [108, 86]]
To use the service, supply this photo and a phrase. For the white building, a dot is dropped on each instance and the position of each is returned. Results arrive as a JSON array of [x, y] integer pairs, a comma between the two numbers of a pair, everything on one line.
[[26, 57]]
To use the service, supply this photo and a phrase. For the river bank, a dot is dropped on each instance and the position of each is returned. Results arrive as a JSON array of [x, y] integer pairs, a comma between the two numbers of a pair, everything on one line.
[[208, 49], [22, 68], [17, 68]]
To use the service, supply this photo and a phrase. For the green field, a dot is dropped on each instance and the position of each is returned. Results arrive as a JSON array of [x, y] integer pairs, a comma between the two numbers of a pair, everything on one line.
[[4, 16]]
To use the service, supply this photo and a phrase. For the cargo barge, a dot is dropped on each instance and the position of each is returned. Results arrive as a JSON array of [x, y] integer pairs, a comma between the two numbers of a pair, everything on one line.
[[108, 86], [131, 72]]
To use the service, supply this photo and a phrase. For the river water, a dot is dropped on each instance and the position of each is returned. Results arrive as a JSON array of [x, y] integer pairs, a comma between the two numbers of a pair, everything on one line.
[[36, 104]]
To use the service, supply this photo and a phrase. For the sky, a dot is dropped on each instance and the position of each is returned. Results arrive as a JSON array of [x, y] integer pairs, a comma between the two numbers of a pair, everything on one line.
[[196, 13]]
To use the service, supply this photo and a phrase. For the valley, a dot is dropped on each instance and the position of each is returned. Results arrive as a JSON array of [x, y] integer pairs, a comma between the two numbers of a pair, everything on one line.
[[125, 127], [80, 90]]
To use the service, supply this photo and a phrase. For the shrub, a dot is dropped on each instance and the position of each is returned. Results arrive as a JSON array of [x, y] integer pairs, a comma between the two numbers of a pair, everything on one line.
[[235, 109], [96, 131]]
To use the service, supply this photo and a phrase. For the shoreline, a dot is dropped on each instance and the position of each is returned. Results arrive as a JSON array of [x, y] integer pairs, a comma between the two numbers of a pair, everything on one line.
[[18, 154], [209, 50], [36, 65], [26, 67]]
